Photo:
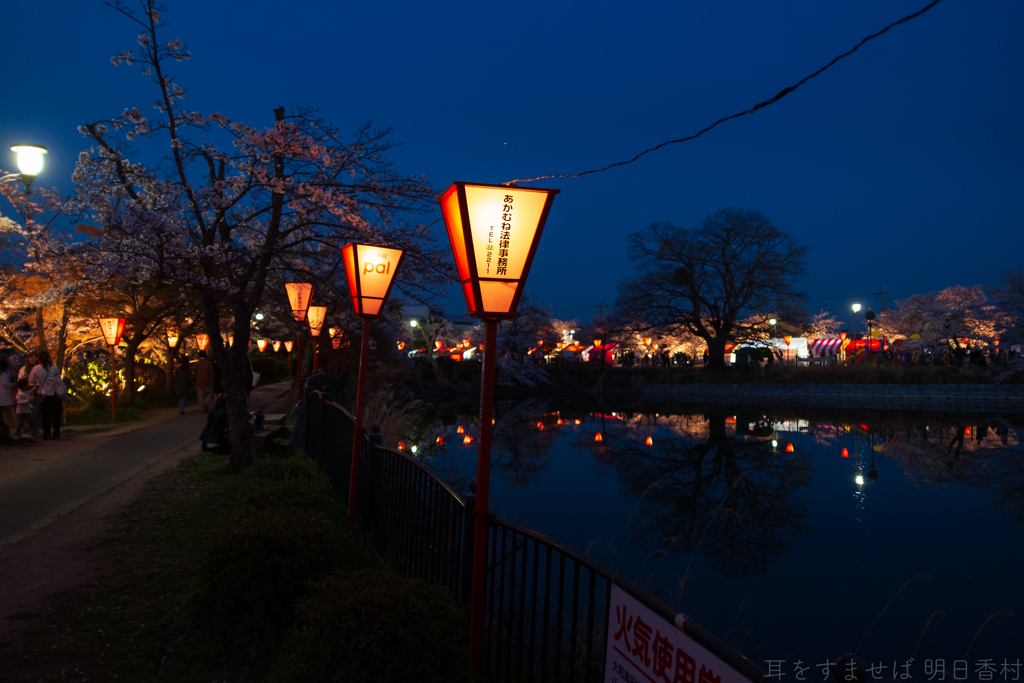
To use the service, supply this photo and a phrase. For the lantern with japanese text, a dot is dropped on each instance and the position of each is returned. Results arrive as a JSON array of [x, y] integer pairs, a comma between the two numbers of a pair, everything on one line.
[[315, 315], [300, 294], [494, 231], [276, 346], [261, 344], [172, 337], [202, 341]]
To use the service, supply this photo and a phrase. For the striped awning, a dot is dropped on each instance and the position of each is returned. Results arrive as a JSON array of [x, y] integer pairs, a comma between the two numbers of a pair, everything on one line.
[[827, 346]]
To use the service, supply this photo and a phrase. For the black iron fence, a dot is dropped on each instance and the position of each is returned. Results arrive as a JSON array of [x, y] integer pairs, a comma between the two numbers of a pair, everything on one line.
[[547, 607]]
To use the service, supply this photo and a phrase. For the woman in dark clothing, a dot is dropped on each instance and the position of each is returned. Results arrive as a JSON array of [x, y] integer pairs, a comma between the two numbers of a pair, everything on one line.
[[182, 381]]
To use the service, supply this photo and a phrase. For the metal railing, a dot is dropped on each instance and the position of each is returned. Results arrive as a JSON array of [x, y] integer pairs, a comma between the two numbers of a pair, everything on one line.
[[546, 610]]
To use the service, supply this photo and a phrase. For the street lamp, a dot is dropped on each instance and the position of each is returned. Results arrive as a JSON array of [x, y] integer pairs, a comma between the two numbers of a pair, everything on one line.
[[870, 317], [775, 330], [315, 316], [856, 309], [371, 272], [788, 339], [300, 294], [30, 163], [494, 231], [112, 328]]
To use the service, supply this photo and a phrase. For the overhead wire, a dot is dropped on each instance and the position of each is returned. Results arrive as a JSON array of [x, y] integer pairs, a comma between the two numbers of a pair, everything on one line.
[[782, 93]]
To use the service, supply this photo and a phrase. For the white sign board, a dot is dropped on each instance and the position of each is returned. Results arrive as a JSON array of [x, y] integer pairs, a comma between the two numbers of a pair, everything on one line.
[[644, 648]]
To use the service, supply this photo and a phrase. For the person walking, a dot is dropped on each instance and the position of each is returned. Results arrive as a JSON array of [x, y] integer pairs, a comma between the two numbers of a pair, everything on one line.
[[203, 378], [182, 381], [6, 401], [45, 377]]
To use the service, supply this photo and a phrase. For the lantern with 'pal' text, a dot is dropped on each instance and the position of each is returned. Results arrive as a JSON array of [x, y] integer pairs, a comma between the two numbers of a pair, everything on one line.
[[494, 231], [371, 272]]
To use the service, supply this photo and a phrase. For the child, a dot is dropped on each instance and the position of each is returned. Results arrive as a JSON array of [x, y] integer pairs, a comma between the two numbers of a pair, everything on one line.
[[24, 416]]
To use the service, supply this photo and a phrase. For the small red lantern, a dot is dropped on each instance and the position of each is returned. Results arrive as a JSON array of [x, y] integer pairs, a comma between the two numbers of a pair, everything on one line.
[[466, 440], [202, 341], [336, 343], [649, 441], [846, 453], [842, 336], [112, 329], [460, 430], [440, 441], [276, 346], [789, 447], [316, 317], [438, 345], [288, 346], [261, 344], [299, 296], [788, 339], [598, 437], [540, 425], [401, 346]]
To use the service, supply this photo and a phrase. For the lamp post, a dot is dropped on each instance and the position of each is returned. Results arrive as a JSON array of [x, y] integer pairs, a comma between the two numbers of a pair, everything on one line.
[[335, 344], [371, 273], [299, 296], [788, 339], [261, 344], [870, 317], [30, 163], [288, 350], [494, 231], [112, 329], [856, 309], [316, 316]]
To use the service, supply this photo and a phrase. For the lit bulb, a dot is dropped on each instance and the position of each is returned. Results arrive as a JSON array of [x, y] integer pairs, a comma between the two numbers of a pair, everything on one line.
[[775, 443], [859, 479], [30, 158], [414, 449]]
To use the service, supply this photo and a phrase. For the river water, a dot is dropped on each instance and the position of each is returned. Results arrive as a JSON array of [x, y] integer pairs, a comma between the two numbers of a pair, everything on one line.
[[794, 535]]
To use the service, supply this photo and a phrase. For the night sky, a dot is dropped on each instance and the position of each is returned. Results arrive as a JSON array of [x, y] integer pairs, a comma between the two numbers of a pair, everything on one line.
[[900, 167]]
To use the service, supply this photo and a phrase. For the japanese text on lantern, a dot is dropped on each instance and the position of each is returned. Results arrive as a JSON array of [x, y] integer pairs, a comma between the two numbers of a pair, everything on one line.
[[504, 236]]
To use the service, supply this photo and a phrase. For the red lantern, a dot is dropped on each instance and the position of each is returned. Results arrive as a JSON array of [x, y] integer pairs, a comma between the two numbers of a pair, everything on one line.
[[649, 441], [598, 437], [479, 216], [789, 447], [202, 340], [299, 296], [288, 346], [112, 329], [276, 346], [846, 453], [316, 317], [261, 344], [371, 273]]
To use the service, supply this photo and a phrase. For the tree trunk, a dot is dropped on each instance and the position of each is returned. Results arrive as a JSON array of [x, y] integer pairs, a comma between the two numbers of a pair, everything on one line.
[[170, 357], [40, 330], [62, 335], [716, 351], [129, 368]]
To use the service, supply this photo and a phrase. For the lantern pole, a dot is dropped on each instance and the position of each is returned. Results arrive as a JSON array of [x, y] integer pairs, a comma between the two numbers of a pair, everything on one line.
[[113, 387], [483, 487], [357, 440]]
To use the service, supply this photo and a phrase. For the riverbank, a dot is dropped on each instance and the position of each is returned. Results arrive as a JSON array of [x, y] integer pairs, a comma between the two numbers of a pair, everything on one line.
[[931, 396]]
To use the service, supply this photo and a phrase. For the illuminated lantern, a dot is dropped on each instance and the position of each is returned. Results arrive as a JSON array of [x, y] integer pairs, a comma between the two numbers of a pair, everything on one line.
[[467, 439], [598, 437], [288, 346], [647, 341], [300, 294], [460, 430], [440, 441], [371, 272], [401, 445], [231, 340], [788, 339], [789, 447], [540, 425], [202, 341], [316, 315], [401, 346], [276, 346], [842, 336], [112, 329], [649, 441], [597, 342], [261, 344], [494, 231], [465, 342], [540, 342], [577, 421], [172, 337], [559, 420], [479, 216], [846, 452], [456, 356], [438, 345], [336, 343]]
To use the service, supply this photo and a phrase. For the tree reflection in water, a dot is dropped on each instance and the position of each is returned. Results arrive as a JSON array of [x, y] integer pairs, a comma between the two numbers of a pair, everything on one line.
[[702, 489]]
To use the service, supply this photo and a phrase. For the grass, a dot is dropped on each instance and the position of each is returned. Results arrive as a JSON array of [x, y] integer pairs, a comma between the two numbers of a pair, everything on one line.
[[182, 573], [78, 413]]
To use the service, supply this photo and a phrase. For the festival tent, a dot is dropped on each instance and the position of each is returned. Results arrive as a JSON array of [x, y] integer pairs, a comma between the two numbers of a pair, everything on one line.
[[816, 347]]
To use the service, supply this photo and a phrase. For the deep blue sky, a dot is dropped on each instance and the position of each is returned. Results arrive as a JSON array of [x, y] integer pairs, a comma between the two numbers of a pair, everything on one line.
[[900, 167]]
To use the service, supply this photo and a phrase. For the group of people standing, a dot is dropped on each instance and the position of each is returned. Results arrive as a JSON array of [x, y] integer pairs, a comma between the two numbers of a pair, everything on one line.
[[205, 376], [32, 402]]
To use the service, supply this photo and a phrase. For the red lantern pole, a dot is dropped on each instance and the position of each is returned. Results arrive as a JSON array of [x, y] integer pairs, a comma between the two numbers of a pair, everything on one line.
[[483, 487], [357, 442], [113, 387]]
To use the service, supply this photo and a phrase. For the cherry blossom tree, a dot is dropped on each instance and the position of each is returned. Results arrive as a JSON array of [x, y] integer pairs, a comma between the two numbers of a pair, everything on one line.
[[822, 325], [231, 209], [945, 317], [1008, 297]]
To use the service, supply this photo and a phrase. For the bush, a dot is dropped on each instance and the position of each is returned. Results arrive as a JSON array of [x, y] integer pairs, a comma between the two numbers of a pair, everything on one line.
[[288, 529], [375, 626]]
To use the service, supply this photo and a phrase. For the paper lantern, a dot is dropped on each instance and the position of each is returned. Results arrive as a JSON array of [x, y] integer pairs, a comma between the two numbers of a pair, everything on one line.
[[112, 329], [172, 337], [300, 294], [789, 447], [649, 441], [494, 231], [276, 346], [288, 346], [371, 273], [336, 343], [598, 437], [261, 344], [202, 341], [846, 453], [315, 316]]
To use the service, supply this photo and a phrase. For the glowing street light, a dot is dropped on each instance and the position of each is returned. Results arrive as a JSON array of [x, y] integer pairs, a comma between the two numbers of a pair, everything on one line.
[[30, 163], [172, 337], [300, 294], [494, 231], [112, 329], [371, 273]]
